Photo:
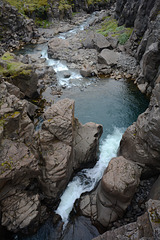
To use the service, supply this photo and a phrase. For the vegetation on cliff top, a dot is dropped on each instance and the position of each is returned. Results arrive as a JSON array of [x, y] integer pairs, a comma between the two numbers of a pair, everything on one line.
[[110, 27], [90, 2], [25, 5]]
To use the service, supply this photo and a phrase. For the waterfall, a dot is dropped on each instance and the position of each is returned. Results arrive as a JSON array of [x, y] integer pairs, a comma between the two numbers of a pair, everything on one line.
[[86, 179]]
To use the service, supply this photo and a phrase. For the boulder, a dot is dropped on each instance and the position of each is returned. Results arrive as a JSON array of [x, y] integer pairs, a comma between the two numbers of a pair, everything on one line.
[[116, 189], [57, 44], [96, 41], [108, 57]]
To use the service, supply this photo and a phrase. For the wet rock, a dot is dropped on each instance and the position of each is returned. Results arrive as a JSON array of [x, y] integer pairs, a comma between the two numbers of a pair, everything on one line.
[[116, 189], [66, 74], [88, 206], [142, 87], [86, 71], [80, 228]]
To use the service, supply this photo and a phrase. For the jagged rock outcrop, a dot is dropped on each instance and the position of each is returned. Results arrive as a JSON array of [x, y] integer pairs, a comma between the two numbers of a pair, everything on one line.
[[14, 27], [65, 145], [144, 16], [18, 162], [141, 141]]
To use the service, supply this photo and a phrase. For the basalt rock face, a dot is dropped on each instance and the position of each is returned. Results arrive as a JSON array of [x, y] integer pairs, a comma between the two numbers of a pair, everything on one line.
[[90, 6], [37, 165], [144, 16], [14, 27], [65, 145], [18, 164], [141, 141]]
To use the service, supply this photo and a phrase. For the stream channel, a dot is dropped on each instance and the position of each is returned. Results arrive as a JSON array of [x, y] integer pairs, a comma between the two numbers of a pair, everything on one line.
[[115, 105]]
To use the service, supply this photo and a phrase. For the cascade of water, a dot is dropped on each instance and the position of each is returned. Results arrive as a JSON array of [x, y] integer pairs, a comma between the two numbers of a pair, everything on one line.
[[86, 180]]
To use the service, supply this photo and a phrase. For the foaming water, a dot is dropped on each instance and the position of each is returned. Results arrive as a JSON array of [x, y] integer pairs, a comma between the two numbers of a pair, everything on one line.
[[86, 180], [74, 78]]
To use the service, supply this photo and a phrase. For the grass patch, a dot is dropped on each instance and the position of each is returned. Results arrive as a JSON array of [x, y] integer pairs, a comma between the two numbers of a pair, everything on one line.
[[7, 56], [110, 27], [12, 67], [39, 8], [90, 2], [42, 23], [28, 4], [65, 5]]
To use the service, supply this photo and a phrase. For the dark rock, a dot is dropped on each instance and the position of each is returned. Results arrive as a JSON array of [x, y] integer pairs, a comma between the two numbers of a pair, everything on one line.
[[137, 230], [14, 27], [155, 190]]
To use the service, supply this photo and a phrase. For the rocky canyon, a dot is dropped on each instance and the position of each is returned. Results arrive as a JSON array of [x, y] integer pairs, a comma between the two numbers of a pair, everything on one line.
[[50, 53]]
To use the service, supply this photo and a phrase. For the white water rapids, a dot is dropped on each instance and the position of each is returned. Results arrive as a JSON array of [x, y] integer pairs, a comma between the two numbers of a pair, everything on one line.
[[86, 180]]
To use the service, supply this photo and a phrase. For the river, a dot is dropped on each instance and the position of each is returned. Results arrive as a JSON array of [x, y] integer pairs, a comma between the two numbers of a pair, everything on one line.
[[115, 105]]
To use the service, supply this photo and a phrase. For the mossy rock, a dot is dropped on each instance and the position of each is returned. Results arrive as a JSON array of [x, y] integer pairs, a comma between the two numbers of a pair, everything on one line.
[[22, 75]]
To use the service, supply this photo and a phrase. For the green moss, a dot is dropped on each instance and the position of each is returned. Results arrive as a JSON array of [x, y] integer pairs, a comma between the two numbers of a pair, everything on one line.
[[2, 121], [7, 56], [15, 114], [7, 164], [64, 5], [43, 23], [27, 7], [110, 26], [12, 67], [90, 2], [30, 5], [123, 38]]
